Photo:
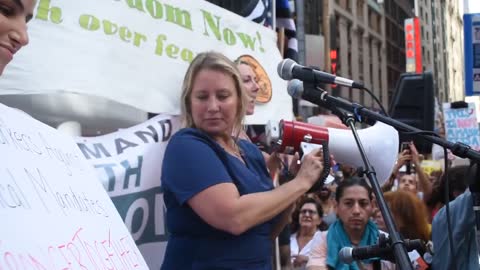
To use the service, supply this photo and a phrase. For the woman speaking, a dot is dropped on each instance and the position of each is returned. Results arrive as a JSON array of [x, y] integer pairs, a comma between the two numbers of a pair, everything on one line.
[[222, 208]]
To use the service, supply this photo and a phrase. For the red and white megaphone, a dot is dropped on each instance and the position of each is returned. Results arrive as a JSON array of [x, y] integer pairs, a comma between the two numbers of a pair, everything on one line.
[[380, 142]]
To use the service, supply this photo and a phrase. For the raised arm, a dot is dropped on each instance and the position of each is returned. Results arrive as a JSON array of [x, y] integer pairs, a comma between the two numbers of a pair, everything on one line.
[[423, 179], [403, 157]]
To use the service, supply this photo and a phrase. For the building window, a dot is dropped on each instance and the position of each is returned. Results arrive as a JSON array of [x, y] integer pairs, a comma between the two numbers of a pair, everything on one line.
[[349, 57], [388, 30], [401, 40], [374, 20], [359, 9], [313, 17]]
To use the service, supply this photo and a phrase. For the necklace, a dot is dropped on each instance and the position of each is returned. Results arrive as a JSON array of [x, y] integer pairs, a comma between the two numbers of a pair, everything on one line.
[[235, 151]]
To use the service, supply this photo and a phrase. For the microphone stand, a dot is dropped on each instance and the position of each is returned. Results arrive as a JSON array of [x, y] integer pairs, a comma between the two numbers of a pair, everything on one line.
[[399, 248], [459, 149], [338, 106]]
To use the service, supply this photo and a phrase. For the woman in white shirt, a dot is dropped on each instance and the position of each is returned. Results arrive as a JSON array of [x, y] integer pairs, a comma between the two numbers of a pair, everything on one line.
[[306, 225]]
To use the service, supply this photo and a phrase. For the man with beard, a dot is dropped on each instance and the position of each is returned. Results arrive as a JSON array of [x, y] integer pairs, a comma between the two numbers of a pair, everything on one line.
[[328, 204]]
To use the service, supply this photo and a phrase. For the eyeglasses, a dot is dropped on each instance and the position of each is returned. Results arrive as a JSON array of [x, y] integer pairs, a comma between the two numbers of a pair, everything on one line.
[[308, 211]]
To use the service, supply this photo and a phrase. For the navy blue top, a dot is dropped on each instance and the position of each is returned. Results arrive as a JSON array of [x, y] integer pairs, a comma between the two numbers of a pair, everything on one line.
[[193, 162]]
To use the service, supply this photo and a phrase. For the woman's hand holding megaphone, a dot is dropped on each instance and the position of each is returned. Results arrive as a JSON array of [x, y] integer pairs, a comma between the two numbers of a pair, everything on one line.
[[311, 168]]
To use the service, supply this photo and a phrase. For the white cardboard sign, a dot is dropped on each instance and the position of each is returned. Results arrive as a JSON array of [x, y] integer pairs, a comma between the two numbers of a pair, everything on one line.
[[54, 212]]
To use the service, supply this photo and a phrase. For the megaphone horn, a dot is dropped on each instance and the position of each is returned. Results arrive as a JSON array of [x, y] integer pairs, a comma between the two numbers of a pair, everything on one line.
[[380, 142]]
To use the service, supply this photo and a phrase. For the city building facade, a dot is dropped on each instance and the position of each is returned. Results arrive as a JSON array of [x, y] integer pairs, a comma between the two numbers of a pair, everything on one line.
[[396, 11], [439, 66], [357, 34], [454, 55], [367, 39]]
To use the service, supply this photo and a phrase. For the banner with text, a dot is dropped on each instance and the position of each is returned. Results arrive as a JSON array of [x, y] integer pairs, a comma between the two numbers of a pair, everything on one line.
[[461, 125], [55, 213], [136, 52], [128, 163]]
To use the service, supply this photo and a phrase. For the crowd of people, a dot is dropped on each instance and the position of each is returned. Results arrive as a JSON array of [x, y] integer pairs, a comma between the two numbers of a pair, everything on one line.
[[225, 210]]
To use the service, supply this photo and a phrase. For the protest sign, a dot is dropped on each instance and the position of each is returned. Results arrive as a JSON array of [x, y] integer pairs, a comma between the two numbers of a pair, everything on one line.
[[461, 125], [136, 52], [55, 213], [128, 163]]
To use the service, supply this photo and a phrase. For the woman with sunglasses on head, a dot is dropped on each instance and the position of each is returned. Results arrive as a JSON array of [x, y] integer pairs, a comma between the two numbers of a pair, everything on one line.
[[306, 226]]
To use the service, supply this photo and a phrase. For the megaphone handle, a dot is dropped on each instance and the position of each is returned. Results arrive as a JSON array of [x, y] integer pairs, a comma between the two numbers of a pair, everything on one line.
[[326, 168]]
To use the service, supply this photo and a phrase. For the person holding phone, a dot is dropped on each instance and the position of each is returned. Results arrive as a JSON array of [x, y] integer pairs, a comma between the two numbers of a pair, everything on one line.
[[403, 157], [407, 181], [414, 180], [408, 164]]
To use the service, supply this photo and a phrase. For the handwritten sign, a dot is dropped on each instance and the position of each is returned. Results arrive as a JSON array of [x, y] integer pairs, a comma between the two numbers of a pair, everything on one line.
[[461, 125], [55, 213], [128, 164]]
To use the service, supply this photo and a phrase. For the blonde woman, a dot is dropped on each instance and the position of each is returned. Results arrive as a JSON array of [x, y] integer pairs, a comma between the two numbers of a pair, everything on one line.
[[222, 208]]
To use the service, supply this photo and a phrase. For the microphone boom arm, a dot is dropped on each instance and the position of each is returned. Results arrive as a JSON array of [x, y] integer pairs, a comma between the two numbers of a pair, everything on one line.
[[459, 149]]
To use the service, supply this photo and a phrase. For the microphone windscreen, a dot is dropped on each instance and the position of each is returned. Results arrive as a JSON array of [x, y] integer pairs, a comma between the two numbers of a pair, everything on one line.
[[345, 255], [295, 88], [284, 69]]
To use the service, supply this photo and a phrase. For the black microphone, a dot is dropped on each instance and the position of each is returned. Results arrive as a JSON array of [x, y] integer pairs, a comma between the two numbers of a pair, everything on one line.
[[288, 70], [348, 254]]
